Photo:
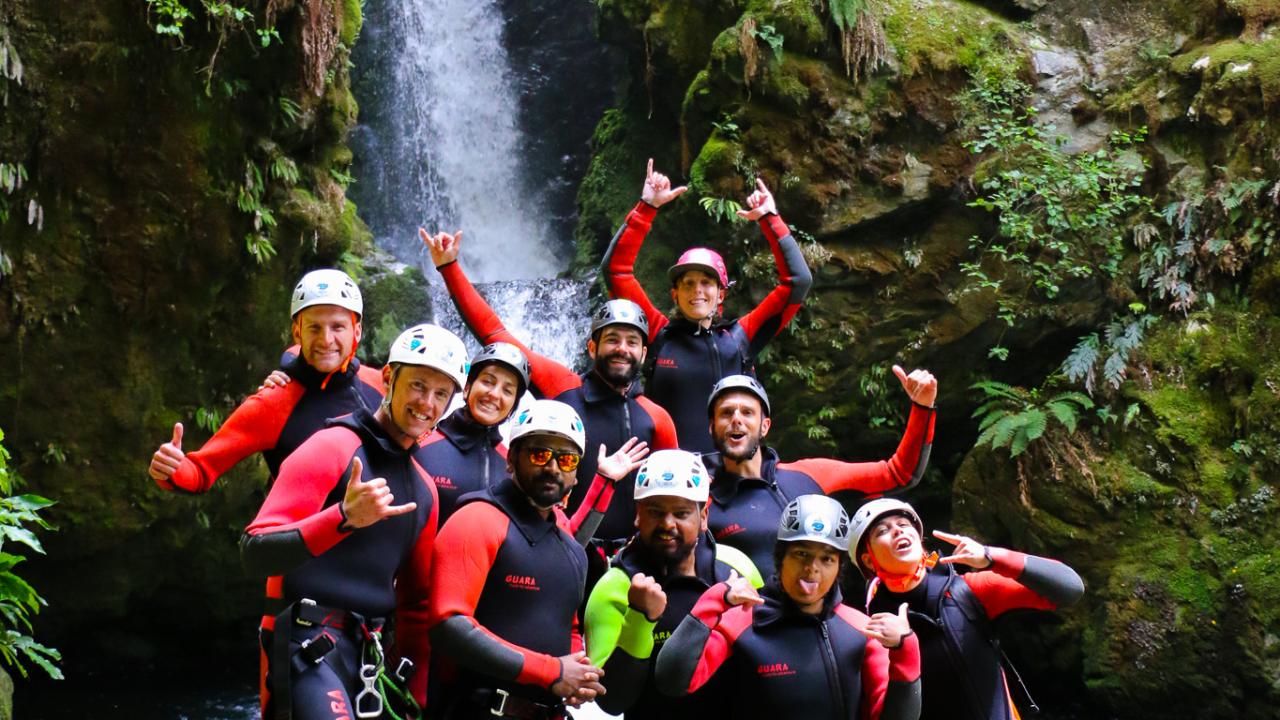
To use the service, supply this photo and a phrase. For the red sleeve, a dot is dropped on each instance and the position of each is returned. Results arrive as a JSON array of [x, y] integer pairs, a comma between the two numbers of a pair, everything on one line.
[[413, 584], [597, 499], [372, 377], [460, 563], [902, 470], [294, 510], [998, 588], [726, 622], [783, 302], [620, 262], [664, 430], [881, 666], [576, 644], [550, 377], [253, 427]]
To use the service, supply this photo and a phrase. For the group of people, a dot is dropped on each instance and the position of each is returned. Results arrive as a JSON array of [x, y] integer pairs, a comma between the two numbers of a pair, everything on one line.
[[632, 541]]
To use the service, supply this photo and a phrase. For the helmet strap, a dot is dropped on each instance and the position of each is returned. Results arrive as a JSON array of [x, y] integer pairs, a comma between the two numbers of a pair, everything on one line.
[[901, 582]]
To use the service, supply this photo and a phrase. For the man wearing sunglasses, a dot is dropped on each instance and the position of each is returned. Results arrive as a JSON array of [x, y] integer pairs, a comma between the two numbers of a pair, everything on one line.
[[507, 578], [606, 396]]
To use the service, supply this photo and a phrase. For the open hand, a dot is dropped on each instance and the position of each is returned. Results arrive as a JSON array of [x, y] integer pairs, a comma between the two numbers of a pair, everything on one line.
[[740, 591], [620, 464], [277, 379], [921, 385], [366, 503], [657, 190]]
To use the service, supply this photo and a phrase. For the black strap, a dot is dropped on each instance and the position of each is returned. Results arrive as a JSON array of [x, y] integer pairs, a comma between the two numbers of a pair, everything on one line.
[[281, 664], [514, 706]]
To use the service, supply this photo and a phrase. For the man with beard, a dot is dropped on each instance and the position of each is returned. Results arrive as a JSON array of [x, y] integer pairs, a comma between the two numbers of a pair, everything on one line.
[[752, 486], [654, 583], [606, 396], [507, 579]]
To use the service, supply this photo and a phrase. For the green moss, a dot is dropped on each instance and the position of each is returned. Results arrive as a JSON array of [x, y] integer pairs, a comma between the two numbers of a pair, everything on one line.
[[351, 21], [714, 171], [1236, 66], [797, 21], [944, 34]]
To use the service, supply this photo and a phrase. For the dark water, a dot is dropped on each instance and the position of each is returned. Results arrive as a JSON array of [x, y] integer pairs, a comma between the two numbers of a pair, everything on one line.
[[215, 695]]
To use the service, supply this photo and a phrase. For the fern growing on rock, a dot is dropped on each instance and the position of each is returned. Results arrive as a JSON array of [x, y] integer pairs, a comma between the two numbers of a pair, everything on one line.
[[1014, 417]]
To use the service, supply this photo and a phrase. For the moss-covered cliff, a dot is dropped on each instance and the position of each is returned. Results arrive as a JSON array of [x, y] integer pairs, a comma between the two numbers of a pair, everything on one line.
[[1162, 497], [161, 165]]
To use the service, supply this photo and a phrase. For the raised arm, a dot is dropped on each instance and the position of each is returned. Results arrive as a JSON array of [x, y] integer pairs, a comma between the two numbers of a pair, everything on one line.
[[620, 635], [704, 639], [1011, 580], [794, 279], [619, 260], [610, 470], [548, 376]]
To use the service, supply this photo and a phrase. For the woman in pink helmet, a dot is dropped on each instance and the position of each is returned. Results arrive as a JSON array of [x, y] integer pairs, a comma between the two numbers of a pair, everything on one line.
[[695, 347]]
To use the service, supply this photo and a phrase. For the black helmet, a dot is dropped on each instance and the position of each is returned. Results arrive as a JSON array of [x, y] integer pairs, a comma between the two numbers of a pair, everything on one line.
[[507, 355], [621, 312], [745, 383]]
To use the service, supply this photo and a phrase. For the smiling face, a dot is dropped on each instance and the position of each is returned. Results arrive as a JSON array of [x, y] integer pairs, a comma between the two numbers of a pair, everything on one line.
[[419, 398], [547, 484], [618, 352], [697, 295], [326, 334], [895, 544], [738, 425], [807, 572], [492, 394], [669, 526]]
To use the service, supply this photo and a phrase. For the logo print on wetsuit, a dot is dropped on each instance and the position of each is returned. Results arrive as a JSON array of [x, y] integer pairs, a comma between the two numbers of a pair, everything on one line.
[[666, 362], [338, 705], [774, 670], [729, 530], [523, 582], [444, 482]]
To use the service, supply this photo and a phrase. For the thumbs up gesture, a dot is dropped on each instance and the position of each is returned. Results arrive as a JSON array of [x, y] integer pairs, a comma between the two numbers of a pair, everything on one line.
[[166, 460], [366, 503]]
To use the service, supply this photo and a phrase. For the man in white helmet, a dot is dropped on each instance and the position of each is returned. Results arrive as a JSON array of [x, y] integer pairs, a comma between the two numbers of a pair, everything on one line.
[[508, 578], [328, 381], [653, 583], [346, 536]]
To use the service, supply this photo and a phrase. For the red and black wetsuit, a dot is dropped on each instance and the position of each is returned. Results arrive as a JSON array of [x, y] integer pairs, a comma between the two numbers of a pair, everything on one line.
[[275, 421], [300, 540], [951, 614], [629, 680], [686, 360], [505, 587], [745, 511], [782, 663], [462, 456], [609, 416]]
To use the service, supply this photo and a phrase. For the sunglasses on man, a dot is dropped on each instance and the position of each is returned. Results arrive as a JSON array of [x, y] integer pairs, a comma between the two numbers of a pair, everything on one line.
[[566, 460]]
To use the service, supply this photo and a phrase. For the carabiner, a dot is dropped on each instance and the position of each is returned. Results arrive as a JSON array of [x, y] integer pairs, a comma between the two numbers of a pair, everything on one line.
[[369, 701]]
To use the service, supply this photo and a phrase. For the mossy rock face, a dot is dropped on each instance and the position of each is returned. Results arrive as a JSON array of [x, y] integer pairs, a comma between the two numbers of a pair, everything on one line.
[[1170, 522], [137, 303]]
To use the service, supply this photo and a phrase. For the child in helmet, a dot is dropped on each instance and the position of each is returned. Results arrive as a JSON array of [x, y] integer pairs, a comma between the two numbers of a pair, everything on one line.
[[794, 649], [951, 613], [694, 348]]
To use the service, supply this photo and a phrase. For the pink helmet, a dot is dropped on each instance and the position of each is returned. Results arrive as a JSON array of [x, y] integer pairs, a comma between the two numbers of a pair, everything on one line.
[[700, 258]]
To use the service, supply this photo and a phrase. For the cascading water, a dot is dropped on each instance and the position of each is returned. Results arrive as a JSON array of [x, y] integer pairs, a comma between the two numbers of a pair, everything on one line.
[[440, 146]]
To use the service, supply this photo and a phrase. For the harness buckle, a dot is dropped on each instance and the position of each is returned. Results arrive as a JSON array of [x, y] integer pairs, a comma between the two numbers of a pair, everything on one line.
[[298, 617], [369, 701], [403, 670], [502, 705]]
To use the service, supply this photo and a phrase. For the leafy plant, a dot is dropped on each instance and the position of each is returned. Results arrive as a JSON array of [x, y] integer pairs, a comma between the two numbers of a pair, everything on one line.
[[1121, 337], [18, 600], [249, 199], [209, 419], [721, 209], [1014, 417], [771, 37]]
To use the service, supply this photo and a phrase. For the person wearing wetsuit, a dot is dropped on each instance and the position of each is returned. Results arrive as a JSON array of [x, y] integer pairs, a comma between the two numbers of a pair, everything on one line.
[[507, 578], [606, 396], [694, 348], [326, 309], [653, 584], [342, 556], [794, 650], [752, 484], [465, 452], [952, 613]]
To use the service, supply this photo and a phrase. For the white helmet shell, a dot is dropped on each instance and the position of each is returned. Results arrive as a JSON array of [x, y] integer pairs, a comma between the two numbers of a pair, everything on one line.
[[550, 417], [868, 515], [326, 287], [434, 347], [816, 518], [676, 473]]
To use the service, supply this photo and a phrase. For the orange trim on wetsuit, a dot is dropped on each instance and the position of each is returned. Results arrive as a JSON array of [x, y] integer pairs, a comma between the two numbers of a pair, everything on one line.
[[902, 470]]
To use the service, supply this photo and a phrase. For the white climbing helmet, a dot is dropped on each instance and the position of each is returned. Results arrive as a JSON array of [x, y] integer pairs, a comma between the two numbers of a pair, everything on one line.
[[550, 417], [865, 517], [817, 518], [434, 347], [678, 473], [326, 287]]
